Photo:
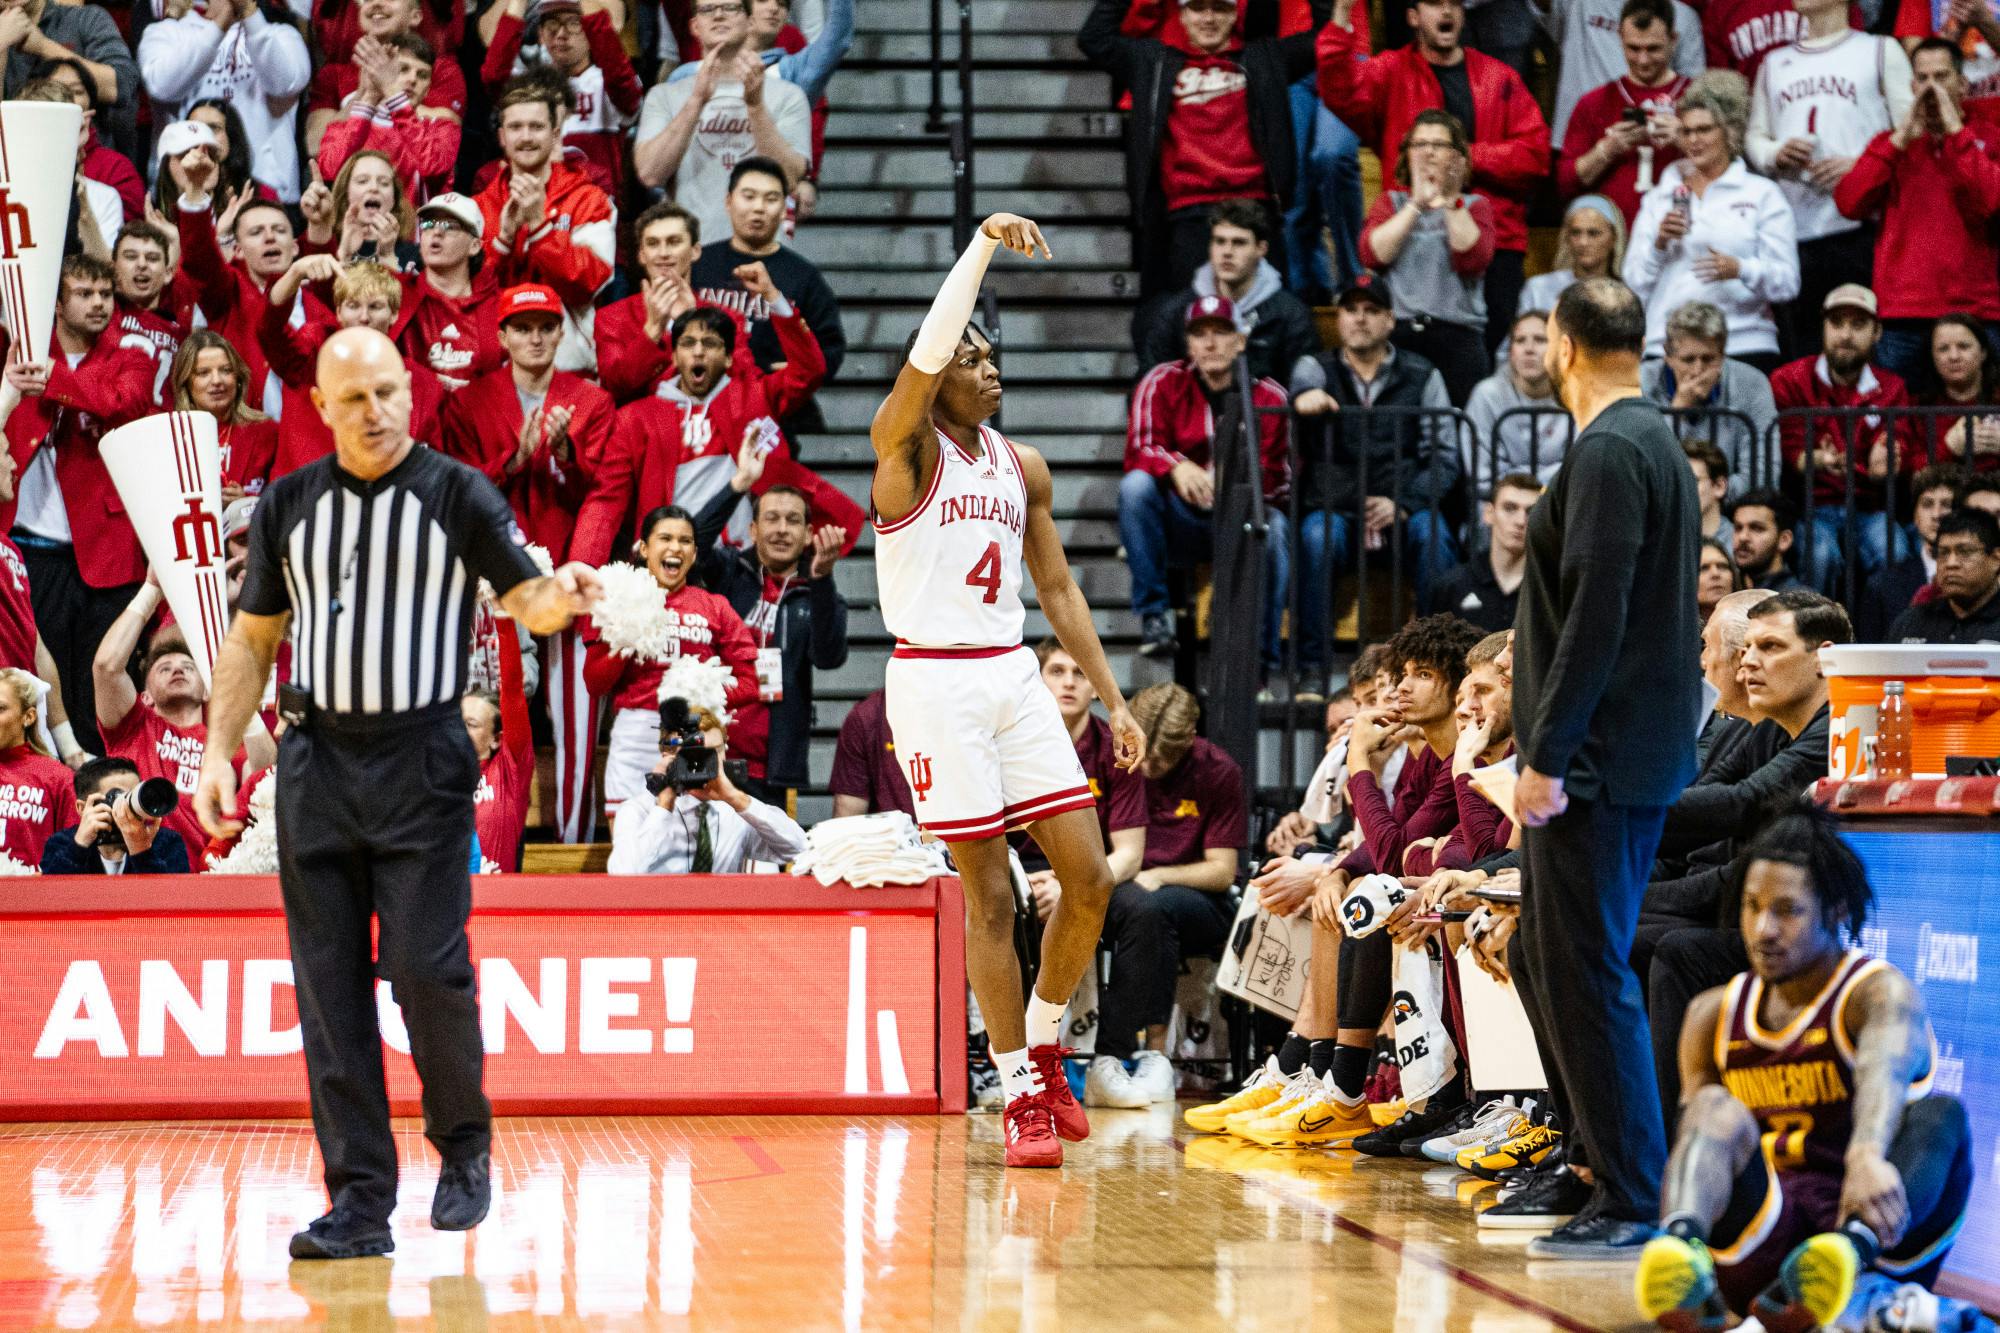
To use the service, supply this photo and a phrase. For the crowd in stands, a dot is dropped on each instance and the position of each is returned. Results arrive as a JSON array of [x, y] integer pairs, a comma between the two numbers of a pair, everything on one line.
[[1801, 194]]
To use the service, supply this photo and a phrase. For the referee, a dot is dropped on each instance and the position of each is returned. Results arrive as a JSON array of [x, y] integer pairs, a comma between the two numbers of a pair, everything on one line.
[[373, 557]]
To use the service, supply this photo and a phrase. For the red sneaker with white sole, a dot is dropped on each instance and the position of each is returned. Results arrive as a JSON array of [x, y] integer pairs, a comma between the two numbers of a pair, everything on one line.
[[1070, 1121], [1031, 1133]]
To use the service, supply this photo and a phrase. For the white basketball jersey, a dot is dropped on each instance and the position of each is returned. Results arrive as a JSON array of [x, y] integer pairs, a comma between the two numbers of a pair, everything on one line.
[[1832, 95], [948, 573]]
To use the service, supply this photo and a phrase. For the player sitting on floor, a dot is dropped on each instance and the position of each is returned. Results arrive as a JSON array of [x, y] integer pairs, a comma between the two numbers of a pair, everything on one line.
[[1808, 1147]]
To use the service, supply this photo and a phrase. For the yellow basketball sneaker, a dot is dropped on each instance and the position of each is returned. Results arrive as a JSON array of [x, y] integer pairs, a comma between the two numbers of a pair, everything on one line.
[[1522, 1150], [1264, 1088], [1676, 1289], [1323, 1121], [1298, 1087], [1814, 1284]]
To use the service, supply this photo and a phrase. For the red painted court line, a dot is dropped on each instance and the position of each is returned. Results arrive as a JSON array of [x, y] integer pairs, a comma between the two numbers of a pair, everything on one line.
[[766, 1164], [1443, 1265]]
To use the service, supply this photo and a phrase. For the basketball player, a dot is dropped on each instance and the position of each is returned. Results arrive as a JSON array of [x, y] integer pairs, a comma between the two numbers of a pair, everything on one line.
[[1808, 1149], [958, 506]]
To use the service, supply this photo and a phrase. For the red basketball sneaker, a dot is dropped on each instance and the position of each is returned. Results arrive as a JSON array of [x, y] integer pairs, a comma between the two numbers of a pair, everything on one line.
[[1031, 1135], [1069, 1117]]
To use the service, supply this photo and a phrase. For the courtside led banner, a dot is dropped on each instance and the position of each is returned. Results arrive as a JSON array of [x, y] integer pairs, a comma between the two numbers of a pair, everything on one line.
[[1937, 917], [597, 995]]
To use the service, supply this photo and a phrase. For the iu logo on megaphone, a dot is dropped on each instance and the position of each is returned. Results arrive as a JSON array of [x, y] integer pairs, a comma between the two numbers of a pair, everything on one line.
[[17, 232], [198, 526]]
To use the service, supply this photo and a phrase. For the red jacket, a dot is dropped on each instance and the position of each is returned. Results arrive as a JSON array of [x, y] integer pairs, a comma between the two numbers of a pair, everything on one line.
[[598, 136], [423, 149], [1172, 420], [630, 365], [1378, 97], [231, 302], [110, 386], [1804, 383], [571, 251], [249, 448], [657, 436], [1935, 252], [458, 338], [482, 424], [705, 626], [292, 354]]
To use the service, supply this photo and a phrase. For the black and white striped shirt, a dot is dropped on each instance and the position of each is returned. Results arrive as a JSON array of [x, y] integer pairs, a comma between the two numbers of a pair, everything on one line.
[[381, 577]]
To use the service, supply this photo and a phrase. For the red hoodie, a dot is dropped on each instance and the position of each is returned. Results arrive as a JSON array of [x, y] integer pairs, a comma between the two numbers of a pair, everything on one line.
[[230, 300], [1935, 252], [457, 337], [1379, 97], [658, 437]]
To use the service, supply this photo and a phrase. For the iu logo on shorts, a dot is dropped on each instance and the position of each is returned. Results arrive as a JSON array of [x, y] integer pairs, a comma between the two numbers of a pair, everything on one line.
[[920, 775]]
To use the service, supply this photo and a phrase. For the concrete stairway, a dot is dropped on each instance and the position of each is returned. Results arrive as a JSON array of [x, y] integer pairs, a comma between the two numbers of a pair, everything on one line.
[[1047, 147]]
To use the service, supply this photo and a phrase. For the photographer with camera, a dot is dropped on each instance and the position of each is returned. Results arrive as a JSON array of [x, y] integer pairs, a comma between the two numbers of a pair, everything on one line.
[[695, 819], [120, 826]]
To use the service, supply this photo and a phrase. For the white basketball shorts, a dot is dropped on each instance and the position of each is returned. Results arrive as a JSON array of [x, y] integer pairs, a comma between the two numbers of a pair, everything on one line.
[[980, 741]]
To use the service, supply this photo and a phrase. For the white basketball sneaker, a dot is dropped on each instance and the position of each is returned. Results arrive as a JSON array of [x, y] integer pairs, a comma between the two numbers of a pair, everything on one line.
[[1106, 1083], [1156, 1075]]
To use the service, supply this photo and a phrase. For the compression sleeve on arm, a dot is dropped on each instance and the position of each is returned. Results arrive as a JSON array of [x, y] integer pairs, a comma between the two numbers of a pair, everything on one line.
[[944, 326]]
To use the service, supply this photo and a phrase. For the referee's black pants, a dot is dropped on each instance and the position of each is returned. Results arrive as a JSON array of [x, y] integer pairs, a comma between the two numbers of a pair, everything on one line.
[[1582, 877], [378, 821], [73, 619]]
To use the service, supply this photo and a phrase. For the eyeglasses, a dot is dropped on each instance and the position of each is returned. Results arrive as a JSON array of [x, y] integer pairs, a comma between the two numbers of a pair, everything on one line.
[[441, 224], [1966, 552], [1437, 145], [716, 11], [564, 22]]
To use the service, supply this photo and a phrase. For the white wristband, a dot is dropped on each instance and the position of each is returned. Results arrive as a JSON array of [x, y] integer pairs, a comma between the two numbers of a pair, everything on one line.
[[944, 327]]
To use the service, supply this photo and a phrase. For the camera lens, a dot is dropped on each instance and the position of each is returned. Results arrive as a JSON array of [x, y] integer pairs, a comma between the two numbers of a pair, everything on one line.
[[156, 798]]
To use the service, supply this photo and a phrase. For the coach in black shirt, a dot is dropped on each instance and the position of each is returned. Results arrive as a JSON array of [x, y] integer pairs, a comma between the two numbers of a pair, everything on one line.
[[373, 558], [1606, 705]]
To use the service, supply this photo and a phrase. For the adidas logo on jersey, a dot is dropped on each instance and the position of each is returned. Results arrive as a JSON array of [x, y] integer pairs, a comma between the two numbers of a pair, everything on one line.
[[451, 331]]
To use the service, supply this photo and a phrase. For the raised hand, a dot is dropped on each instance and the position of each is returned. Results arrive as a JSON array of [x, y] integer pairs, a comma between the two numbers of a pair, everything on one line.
[[1016, 233]]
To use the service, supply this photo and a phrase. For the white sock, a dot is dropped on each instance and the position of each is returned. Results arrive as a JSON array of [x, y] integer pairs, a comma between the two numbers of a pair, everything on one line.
[[1044, 1021], [1017, 1073]]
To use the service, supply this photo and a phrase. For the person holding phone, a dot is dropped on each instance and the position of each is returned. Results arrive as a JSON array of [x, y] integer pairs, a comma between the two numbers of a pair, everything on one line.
[[1621, 136]]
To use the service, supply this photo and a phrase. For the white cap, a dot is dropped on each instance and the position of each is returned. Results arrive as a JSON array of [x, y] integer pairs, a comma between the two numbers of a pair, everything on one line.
[[459, 208], [183, 135]]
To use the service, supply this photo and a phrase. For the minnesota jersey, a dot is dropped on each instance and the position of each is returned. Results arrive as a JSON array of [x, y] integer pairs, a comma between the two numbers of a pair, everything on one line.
[[1799, 1081], [948, 573], [1832, 95]]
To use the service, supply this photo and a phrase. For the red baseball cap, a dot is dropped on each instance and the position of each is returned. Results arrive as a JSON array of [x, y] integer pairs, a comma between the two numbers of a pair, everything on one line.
[[1211, 309], [530, 299]]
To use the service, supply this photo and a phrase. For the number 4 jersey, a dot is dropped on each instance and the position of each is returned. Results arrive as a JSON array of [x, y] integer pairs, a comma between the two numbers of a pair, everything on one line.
[[948, 573]]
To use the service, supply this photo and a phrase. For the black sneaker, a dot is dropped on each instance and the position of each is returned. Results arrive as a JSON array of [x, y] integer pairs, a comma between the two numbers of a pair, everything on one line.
[[1414, 1127], [341, 1234], [1548, 1201], [1156, 636], [1453, 1120], [1594, 1236], [464, 1191]]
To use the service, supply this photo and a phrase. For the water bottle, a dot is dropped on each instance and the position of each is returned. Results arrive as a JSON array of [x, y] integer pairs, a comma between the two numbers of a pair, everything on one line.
[[1892, 734]]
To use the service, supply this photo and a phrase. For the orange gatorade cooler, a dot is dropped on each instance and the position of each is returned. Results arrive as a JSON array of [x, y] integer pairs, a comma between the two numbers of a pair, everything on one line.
[[1952, 692]]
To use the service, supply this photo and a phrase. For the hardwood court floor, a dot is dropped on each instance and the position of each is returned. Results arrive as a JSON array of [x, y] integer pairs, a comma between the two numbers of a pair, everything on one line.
[[810, 1223]]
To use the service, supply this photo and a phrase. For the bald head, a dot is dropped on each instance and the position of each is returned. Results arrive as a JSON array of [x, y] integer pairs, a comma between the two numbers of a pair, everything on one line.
[[363, 395], [1722, 649]]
